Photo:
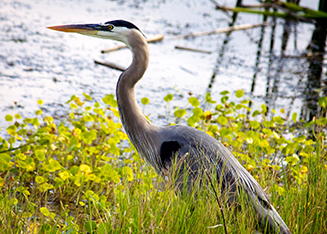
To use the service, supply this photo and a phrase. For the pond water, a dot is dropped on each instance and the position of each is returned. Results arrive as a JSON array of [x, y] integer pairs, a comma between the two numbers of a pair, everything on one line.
[[37, 63]]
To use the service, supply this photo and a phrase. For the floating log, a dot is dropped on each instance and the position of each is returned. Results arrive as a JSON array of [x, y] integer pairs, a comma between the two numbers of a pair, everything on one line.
[[156, 38], [192, 49], [111, 65]]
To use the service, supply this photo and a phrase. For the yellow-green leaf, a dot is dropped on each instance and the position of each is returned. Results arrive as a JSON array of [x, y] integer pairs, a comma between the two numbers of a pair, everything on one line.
[[96, 105], [292, 159], [276, 136], [88, 118], [85, 168], [6, 163], [180, 113], [280, 190], [12, 130], [87, 97], [44, 211], [128, 172], [38, 112], [294, 117], [168, 97], [197, 111], [73, 106], [255, 124], [48, 119], [224, 92], [322, 102], [222, 120], [303, 170], [239, 93], [9, 118], [278, 120], [64, 175], [194, 101], [145, 101], [45, 187], [51, 165], [39, 155], [109, 99], [39, 179]]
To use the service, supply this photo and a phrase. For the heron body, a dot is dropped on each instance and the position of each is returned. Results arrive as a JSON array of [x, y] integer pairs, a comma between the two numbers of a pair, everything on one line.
[[193, 149]]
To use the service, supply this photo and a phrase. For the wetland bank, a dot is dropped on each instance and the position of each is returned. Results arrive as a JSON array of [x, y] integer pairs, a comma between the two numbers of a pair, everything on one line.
[[66, 163]]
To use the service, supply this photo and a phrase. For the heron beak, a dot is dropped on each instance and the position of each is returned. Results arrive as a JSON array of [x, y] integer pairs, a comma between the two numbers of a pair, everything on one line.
[[86, 29]]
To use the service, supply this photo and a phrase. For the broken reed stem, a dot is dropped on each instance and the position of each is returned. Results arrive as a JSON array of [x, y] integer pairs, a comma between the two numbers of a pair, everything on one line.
[[111, 65], [192, 49], [223, 30], [276, 6], [156, 38], [280, 7]]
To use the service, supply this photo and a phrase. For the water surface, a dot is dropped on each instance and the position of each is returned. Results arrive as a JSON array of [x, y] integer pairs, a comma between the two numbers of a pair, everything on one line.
[[37, 63]]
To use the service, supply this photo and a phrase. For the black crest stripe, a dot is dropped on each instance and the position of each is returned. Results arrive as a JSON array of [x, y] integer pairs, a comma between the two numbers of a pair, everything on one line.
[[122, 23]]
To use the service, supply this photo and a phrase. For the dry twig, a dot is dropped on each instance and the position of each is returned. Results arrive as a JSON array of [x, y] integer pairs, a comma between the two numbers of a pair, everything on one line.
[[156, 38], [223, 30], [111, 65], [192, 49]]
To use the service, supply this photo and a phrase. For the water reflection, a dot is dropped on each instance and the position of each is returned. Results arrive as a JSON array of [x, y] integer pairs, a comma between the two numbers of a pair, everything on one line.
[[222, 49], [293, 74], [317, 82]]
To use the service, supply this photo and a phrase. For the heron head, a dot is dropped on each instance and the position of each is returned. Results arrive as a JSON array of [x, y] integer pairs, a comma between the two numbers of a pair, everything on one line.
[[118, 30]]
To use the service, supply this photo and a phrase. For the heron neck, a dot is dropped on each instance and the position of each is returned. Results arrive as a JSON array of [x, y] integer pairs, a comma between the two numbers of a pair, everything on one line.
[[140, 131]]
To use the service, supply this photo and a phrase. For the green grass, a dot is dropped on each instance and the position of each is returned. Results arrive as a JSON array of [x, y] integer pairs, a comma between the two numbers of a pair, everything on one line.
[[81, 175]]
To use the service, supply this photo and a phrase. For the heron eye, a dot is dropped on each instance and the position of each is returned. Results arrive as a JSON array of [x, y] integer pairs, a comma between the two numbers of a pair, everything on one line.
[[110, 27]]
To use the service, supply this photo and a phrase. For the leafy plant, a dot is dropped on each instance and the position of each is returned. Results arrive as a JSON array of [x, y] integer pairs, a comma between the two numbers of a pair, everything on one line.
[[80, 174]]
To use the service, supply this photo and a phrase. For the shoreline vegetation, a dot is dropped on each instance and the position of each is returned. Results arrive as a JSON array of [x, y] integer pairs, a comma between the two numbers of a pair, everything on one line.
[[80, 174]]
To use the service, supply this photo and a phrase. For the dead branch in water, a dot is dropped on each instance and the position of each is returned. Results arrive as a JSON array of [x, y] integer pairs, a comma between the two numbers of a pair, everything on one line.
[[111, 65], [192, 49], [223, 30], [156, 38]]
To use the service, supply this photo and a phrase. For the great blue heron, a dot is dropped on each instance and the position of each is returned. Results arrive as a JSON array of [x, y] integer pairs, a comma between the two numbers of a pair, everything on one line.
[[161, 145]]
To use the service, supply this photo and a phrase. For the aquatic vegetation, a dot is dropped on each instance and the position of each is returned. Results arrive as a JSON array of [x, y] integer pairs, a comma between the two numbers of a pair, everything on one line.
[[80, 174], [288, 10]]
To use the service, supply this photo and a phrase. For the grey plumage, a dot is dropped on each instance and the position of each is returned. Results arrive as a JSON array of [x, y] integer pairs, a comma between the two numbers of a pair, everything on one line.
[[207, 151], [195, 151]]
